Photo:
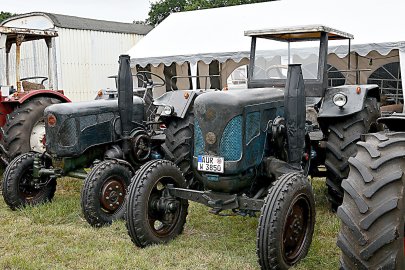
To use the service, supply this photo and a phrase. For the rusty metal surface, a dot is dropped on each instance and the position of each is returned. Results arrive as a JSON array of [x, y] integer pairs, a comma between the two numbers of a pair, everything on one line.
[[31, 34], [392, 108], [23, 96]]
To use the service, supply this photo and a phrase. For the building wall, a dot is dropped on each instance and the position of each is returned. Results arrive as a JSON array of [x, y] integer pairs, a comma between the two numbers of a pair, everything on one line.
[[84, 60]]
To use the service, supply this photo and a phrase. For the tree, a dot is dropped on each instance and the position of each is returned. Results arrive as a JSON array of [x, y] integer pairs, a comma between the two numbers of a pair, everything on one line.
[[163, 8], [5, 15]]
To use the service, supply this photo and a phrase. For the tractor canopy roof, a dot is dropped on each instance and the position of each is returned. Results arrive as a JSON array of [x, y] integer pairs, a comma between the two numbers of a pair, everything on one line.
[[29, 34], [299, 33]]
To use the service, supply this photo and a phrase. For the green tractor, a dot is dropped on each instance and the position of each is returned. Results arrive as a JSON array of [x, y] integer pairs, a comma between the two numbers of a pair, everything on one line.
[[254, 148], [112, 137]]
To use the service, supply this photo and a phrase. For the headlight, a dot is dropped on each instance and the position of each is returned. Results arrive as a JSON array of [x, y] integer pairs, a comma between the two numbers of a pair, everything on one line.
[[340, 100], [51, 119], [168, 110]]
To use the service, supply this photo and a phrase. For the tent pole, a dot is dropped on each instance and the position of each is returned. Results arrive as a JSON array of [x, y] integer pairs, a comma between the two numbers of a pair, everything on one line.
[[402, 67]]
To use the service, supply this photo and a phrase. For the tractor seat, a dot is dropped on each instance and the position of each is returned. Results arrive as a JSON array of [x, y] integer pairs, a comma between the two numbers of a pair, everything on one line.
[[28, 86]]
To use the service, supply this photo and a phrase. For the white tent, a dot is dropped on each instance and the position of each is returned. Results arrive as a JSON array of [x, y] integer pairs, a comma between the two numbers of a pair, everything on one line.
[[218, 34]]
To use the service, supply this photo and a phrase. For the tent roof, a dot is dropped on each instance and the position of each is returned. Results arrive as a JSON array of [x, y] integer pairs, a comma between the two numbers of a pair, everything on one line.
[[219, 33]]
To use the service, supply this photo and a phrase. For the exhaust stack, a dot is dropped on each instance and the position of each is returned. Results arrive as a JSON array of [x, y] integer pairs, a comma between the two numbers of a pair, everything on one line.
[[125, 99], [294, 108]]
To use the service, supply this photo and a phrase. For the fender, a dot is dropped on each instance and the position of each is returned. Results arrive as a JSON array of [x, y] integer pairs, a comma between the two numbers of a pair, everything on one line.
[[24, 96], [179, 100], [356, 96]]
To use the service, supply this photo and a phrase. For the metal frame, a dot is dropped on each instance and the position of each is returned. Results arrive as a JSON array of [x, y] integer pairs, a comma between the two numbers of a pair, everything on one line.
[[313, 87]]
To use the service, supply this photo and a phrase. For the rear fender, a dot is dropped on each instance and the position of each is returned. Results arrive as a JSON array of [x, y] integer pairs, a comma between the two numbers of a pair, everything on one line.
[[24, 96], [180, 100], [356, 96]]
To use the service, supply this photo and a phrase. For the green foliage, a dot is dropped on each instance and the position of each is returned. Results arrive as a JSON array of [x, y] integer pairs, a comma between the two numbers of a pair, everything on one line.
[[163, 8], [5, 15]]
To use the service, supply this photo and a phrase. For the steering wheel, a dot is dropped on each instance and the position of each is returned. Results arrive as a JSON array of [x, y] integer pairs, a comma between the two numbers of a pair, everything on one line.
[[35, 77], [143, 77]]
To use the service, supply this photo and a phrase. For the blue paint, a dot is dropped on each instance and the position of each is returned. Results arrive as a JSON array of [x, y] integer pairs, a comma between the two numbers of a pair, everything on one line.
[[198, 140], [230, 146]]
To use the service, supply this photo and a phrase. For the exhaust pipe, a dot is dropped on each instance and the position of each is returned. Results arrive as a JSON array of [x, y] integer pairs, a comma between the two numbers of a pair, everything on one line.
[[125, 100], [294, 108]]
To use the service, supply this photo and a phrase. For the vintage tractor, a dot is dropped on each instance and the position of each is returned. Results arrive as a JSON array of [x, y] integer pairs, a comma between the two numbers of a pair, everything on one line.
[[373, 210], [22, 106], [113, 137], [253, 149]]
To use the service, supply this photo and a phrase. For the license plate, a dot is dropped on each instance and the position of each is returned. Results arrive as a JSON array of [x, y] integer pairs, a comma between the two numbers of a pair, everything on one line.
[[210, 164]]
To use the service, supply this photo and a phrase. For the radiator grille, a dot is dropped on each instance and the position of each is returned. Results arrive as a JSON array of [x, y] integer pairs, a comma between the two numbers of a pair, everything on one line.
[[231, 141], [198, 140], [68, 133]]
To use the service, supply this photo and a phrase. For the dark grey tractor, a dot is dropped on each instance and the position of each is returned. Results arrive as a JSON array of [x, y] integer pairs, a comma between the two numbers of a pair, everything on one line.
[[372, 232], [113, 137], [254, 148]]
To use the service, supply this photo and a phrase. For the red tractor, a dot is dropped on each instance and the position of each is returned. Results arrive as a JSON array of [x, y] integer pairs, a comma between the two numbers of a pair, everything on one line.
[[22, 127]]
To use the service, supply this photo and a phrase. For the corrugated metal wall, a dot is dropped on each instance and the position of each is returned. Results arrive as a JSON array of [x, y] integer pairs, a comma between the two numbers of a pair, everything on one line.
[[84, 60], [34, 61]]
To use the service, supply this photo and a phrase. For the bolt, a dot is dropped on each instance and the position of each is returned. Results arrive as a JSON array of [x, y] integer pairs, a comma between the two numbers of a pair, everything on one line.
[[110, 188], [111, 205], [117, 203], [116, 187], [120, 194], [107, 198]]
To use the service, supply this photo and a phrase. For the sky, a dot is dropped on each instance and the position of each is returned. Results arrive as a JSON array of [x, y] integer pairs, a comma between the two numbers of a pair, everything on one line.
[[111, 10]]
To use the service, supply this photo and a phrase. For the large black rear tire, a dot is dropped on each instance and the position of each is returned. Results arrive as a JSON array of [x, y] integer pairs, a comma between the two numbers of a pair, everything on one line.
[[178, 146], [18, 187], [103, 194], [149, 219], [372, 213], [341, 145], [24, 129], [286, 223]]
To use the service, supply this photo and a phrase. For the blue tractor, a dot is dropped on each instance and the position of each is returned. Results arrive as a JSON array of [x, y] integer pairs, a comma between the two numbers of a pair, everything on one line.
[[253, 148]]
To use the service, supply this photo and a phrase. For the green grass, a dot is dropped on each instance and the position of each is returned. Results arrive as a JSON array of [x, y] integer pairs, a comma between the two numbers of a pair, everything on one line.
[[56, 236]]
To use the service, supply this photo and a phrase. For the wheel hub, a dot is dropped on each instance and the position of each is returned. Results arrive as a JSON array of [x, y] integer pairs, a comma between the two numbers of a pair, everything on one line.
[[295, 230], [112, 195], [37, 137]]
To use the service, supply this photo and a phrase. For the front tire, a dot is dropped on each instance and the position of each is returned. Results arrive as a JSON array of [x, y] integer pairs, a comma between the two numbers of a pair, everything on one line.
[[24, 130], [286, 223], [372, 214], [103, 193], [341, 145], [152, 216], [19, 189]]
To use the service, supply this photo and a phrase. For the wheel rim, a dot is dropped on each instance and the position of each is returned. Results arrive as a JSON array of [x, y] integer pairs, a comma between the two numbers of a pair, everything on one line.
[[112, 195], [26, 189], [37, 138], [162, 222], [296, 228]]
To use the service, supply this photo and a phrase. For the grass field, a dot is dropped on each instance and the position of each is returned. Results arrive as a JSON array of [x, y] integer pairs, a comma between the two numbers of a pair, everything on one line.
[[55, 236]]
